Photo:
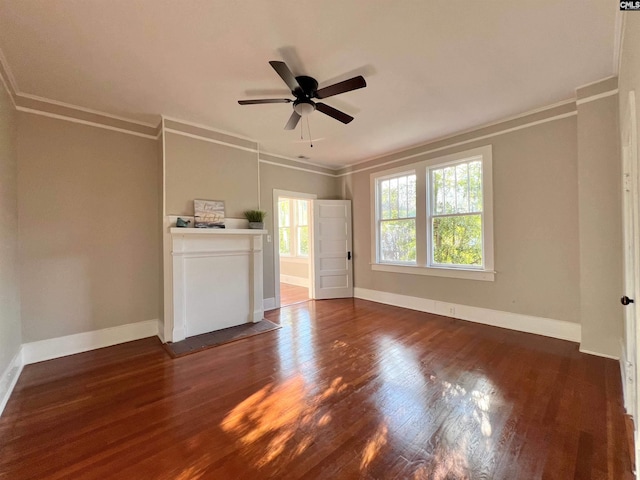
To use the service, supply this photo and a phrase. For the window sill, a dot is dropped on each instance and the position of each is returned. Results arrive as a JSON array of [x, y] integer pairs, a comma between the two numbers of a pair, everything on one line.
[[467, 274]]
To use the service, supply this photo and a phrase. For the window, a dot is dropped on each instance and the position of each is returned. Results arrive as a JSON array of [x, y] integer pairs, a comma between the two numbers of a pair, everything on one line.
[[397, 218], [435, 217], [293, 221], [455, 216]]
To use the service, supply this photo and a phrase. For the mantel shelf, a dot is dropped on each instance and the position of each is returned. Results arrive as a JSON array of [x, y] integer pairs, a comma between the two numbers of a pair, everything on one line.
[[216, 231]]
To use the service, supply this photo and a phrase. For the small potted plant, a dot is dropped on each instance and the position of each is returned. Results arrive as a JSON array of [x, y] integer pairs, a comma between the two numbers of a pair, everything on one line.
[[256, 218]]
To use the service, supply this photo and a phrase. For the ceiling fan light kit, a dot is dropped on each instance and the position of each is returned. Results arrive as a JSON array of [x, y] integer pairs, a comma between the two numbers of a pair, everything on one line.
[[305, 88], [304, 108]]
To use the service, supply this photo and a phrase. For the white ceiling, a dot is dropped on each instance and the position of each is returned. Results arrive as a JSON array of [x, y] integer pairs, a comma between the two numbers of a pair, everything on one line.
[[432, 67]]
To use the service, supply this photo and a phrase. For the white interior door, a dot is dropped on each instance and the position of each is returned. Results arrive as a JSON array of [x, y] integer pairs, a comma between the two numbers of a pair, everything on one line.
[[631, 222], [332, 249]]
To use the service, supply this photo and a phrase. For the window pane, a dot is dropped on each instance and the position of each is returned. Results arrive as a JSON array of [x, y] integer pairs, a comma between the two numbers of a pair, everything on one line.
[[398, 241], [449, 190], [411, 192], [457, 189], [462, 188], [475, 186], [283, 212], [457, 240], [285, 240], [402, 197], [437, 184], [303, 241], [398, 197], [302, 209], [385, 210]]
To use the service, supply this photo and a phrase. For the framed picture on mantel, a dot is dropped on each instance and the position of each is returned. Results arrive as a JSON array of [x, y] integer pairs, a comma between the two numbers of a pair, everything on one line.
[[208, 213]]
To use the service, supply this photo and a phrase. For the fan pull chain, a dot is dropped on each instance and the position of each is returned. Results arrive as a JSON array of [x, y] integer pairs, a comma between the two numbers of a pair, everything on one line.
[[301, 137], [309, 130]]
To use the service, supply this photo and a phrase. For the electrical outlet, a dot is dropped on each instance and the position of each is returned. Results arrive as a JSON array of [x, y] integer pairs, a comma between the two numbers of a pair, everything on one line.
[[268, 238], [452, 311]]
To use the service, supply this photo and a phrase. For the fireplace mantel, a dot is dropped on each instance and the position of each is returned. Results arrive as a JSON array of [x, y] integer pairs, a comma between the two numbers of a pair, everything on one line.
[[216, 231], [216, 279]]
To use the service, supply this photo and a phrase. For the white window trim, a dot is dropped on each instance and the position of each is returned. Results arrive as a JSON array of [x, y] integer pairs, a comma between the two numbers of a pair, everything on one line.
[[421, 267], [396, 172]]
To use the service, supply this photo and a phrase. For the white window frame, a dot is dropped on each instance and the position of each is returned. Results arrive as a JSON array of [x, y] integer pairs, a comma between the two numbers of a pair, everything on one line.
[[400, 173], [424, 264]]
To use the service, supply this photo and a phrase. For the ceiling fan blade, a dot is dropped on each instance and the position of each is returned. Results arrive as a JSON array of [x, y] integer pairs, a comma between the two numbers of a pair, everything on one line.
[[342, 87], [332, 112], [286, 75], [293, 121], [264, 100]]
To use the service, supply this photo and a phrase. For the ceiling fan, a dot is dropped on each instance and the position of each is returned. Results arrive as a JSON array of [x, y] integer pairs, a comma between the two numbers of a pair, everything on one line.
[[305, 88]]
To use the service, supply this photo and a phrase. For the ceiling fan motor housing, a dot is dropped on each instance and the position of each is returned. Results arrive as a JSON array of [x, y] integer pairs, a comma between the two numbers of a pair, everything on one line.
[[308, 87]]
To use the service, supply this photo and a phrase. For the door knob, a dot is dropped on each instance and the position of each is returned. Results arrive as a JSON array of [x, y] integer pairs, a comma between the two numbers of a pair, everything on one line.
[[626, 300]]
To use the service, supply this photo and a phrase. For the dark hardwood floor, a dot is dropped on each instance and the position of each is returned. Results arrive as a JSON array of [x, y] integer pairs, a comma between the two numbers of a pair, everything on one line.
[[290, 294], [347, 389]]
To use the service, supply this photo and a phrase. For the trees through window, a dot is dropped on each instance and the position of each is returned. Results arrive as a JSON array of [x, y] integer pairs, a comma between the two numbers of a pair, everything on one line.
[[435, 214]]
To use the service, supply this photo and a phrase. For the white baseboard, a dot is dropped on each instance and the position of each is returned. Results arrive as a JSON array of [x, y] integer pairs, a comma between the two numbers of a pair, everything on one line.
[[269, 304], [81, 342], [161, 331], [293, 280], [9, 378], [497, 318]]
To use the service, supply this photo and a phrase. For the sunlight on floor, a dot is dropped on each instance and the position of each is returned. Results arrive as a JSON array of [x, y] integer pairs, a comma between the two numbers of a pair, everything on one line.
[[280, 413], [409, 393]]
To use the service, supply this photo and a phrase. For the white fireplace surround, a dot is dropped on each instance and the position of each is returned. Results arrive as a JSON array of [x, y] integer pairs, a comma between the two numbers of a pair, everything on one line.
[[217, 279]]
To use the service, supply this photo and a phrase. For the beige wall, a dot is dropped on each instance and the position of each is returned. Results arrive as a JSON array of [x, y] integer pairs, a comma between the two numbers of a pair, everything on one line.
[[282, 178], [600, 214], [199, 169], [535, 200], [88, 200], [294, 268], [10, 329]]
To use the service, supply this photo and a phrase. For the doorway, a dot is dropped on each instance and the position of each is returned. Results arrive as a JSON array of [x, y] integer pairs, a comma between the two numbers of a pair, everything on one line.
[[293, 246]]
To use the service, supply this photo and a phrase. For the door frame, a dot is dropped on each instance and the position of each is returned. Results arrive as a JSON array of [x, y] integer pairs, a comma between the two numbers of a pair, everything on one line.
[[276, 237], [631, 263], [630, 251]]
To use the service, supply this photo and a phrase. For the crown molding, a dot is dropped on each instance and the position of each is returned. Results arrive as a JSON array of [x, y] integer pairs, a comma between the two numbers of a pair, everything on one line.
[[457, 144], [293, 167], [598, 96], [84, 122], [595, 82], [298, 160], [84, 109], [467, 131], [207, 127]]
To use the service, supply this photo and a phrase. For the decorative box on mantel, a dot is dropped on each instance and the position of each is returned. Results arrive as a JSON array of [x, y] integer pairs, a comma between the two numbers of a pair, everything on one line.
[[217, 279]]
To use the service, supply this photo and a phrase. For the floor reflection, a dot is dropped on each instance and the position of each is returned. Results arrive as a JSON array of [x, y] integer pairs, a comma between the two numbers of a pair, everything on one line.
[[442, 426], [296, 345], [446, 422]]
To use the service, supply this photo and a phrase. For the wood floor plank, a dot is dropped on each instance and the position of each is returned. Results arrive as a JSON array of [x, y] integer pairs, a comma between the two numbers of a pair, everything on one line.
[[345, 389]]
